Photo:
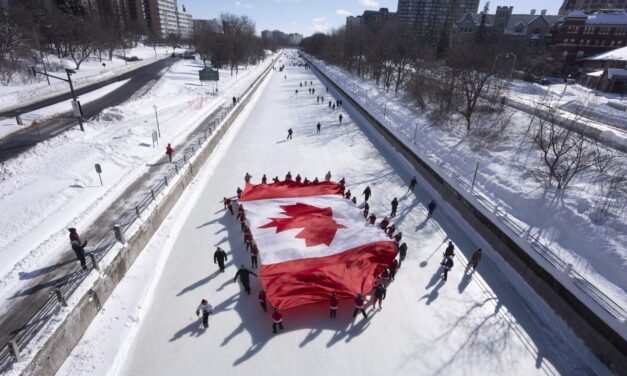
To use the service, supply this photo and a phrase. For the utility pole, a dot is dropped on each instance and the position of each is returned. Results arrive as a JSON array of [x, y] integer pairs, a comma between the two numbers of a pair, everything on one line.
[[75, 102]]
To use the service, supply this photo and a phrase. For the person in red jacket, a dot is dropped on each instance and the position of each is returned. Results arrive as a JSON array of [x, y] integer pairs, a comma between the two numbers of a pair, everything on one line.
[[253, 254], [334, 303], [242, 220], [277, 319], [360, 306], [228, 205], [384, 223], [262, 300], [372, 219], [391, 230], [397, 238], [248, 238], [347, 195], [169, 150], [385, 276]]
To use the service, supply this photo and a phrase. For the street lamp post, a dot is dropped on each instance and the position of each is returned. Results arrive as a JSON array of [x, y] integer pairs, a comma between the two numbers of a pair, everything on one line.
[[69, 81], [157, 117]]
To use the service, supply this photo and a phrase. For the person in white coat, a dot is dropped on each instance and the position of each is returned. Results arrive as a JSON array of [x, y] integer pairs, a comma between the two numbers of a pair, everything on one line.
[[206, 309]]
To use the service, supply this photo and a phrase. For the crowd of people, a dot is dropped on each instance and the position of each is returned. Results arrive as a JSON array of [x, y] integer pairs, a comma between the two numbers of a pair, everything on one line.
[[385, 274]]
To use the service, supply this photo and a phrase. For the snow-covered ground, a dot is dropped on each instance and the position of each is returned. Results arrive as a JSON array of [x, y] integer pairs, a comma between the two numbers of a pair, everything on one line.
[[564, 222], [8, 126], [53, 186], [90, 71], [487, 323]]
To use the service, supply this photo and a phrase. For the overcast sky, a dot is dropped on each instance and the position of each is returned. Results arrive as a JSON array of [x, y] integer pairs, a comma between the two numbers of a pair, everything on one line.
[[309, 16]]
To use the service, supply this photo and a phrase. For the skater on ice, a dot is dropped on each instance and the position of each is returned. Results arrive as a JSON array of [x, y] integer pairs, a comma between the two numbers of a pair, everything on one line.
[[262, 300], [412, 183], [244, 277], [372, 219], [360, 306], [431, 208], [228, 205], [206, 309], [277, 320], [367, 193], [474, 260], [219, 257], [379, 295], [318, 128], [333, 308], [290, 132], [394, 206]]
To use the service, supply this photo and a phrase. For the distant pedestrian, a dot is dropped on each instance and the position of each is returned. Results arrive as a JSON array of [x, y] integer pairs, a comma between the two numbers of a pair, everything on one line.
[[239, 192], [367, 193], [290, 132], [329, 104], [288, 176], [334, 304], [298, 178], [264, 179], [412, 183], [322, 99], [247, 177], [327, 89], [360, 306], [431, 208], [277, 320], [327, 177], [354, 200], [448, 265], [254, 252], [296, 91], [379, 294], [262, 300], [402, 253], [393, 268], [206, 310], [169, 150], [228, 204], [366, 210], [79, 250], [219, 257], [242, 219], [318, 128], [341, 117], [333, 107], [313, 91], [372, 218], [318, 99], [234, 101], [384, 223], [244, 277], [390, 230], [347, 195], [394, 206], [398, 237], [449, 252], [475, 259], [301, 84]]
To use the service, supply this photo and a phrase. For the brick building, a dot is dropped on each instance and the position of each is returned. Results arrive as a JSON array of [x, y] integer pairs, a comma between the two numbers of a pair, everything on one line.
[[580, 35]]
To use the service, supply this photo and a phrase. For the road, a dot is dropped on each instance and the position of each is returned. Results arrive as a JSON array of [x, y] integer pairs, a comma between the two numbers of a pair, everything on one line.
[[18, 142]]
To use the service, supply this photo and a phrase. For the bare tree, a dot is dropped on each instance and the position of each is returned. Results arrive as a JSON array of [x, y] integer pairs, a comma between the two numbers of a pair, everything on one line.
[[564, 152]]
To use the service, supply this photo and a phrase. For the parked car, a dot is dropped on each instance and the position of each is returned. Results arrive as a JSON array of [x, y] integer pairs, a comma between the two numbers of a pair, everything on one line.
[[544, 81]]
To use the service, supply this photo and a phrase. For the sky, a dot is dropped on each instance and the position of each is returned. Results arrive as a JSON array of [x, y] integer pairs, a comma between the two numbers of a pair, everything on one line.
[[310, 16]]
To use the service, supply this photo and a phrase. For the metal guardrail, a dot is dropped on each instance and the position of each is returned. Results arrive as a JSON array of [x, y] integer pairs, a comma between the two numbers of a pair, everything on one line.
[[70, 283], [590, 289]]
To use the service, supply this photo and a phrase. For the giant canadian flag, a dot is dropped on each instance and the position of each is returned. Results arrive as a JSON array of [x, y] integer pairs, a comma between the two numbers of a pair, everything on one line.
[[313, 242]]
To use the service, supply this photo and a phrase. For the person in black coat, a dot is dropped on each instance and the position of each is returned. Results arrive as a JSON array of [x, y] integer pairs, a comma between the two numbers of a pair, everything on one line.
[[244, 277], [394, 206], [379, 294], [367, 193], [79, 250], [412, 183], [219, 257]]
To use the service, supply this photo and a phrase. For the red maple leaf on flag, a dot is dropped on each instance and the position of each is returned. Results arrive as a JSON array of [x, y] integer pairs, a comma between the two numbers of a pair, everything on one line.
[[318, 224]]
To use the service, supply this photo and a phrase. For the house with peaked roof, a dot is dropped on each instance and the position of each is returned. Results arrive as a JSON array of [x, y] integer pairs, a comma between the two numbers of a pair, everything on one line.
[[536, 29], [606, 71]]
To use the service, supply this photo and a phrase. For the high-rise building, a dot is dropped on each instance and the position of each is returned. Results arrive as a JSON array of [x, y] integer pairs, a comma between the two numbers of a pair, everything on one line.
[[164, 17], [429, 17], [591, 5]]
